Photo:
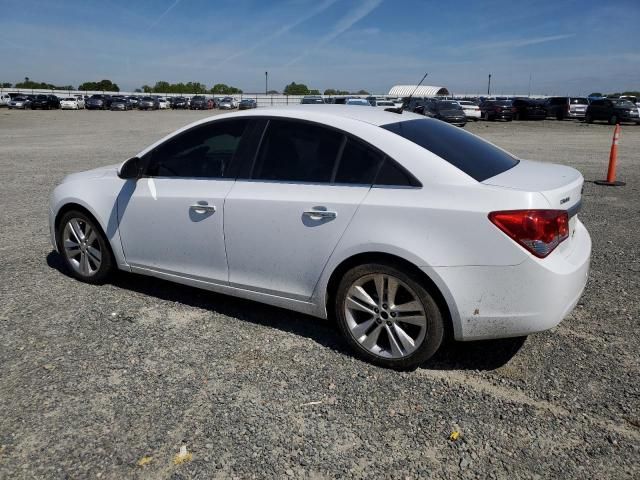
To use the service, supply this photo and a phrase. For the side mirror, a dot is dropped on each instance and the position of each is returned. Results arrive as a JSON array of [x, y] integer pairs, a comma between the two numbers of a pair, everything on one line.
[[131, 168]]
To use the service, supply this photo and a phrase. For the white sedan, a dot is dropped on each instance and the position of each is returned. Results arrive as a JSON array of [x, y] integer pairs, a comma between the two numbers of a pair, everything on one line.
[[71, 103], [163, 104], [471, 110], [403, 228]]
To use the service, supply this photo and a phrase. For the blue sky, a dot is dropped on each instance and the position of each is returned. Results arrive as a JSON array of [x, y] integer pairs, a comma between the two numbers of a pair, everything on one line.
[[563, 46]]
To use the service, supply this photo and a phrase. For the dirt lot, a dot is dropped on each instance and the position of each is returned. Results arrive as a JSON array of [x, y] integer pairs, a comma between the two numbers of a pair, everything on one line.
[[94, 379]]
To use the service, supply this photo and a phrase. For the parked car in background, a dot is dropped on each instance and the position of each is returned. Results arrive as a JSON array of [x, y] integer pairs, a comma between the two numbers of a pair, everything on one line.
[[566, 107], [45, 102], [227, 103], [384, 104], [401, 227], [5, 98], [199, 103], [20, 103], [247, 104], [71, 103], [361, 102], [448, 111], [312, 100], [163, 103], [527, 109], [470, 109], [612, 110], [179, 103], [98, 102], [120, 103], [148, 103], [497, 110], [133, 101]]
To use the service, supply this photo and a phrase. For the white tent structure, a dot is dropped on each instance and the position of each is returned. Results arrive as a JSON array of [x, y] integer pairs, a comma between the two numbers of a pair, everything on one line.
[[421, 92]]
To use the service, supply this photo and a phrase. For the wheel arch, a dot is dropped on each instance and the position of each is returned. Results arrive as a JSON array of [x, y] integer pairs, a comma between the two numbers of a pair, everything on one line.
[[442, 298], [70, 206]]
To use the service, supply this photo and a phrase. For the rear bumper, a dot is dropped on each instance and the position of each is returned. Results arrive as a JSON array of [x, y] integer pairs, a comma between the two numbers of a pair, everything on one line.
[[509, 301]]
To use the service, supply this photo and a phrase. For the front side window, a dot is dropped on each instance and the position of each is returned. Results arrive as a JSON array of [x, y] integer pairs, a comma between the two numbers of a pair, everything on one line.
[[295, 151], [205, 151]]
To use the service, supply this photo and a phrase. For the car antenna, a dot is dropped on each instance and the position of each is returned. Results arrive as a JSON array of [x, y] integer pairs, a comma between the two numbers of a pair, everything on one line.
[[399, 109]]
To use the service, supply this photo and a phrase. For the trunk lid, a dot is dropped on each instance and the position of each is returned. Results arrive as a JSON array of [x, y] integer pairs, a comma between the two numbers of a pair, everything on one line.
[[560, 185]]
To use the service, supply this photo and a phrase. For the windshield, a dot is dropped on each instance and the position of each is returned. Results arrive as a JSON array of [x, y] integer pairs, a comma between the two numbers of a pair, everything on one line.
[[624, 103], [68, 99], [475, 157]]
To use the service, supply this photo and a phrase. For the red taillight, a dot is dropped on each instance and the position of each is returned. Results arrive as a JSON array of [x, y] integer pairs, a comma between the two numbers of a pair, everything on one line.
[[498, 109], [539, 231]]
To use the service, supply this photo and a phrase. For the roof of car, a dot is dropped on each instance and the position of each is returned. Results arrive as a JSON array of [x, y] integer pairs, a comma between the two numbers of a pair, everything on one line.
[[373, 116]]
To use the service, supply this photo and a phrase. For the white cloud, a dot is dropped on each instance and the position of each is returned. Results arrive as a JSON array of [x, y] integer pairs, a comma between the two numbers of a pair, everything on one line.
[[284, 29], [345, 23]]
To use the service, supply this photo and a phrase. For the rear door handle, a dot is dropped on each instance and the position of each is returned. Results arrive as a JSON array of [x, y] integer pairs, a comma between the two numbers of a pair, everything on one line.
[[203, 208], [319, 214]]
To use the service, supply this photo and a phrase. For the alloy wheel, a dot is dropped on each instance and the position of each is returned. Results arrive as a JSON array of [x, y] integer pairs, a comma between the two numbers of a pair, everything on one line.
[[81, 247], [385, 316]]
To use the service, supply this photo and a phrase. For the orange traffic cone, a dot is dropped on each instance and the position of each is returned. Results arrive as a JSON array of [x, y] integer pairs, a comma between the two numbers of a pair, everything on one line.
[[613, 158]]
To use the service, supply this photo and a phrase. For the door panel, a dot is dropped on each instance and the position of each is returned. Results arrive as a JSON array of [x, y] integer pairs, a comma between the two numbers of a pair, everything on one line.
[[169, 224], [273, 245]]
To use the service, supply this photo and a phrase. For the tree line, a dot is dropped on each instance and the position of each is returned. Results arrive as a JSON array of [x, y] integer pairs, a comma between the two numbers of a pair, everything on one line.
[[189, 87], [301, 89]]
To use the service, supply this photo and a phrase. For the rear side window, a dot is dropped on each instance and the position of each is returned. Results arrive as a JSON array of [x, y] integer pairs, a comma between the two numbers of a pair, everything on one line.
[[297, 152], [475, 157], [358, 164]]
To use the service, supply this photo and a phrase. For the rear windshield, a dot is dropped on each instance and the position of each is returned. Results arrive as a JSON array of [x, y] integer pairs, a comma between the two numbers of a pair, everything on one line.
[[471, 154], [579, 101]]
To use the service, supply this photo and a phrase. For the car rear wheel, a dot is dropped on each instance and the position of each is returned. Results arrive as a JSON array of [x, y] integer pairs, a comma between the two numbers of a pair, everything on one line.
[[388, 317], [588, 118], [84, 248]]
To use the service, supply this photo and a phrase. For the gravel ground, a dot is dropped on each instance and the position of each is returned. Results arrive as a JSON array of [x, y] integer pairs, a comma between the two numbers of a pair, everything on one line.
[[94, 380]]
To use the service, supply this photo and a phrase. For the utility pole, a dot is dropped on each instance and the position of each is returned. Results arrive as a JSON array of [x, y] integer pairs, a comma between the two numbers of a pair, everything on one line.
[[529, 84], [266, 83], [489, 86]]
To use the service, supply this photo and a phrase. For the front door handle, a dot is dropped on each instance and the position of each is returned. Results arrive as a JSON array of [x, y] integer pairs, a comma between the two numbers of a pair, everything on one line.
[[319, 214], [203, 208]]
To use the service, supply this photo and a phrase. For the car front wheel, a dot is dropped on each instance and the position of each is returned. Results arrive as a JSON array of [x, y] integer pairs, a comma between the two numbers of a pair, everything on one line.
[[84, 248], [388, 317]]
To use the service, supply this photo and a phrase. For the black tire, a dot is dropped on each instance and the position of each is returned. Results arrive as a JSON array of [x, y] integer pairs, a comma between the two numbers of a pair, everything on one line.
[[588, 118], [613, 120], [106, 262], [559, 116], [434, 330], [517, 116]]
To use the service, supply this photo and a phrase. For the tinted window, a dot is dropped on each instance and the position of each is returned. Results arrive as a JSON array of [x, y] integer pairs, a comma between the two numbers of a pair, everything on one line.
[[297, 152], [393, 174], [358, 163], [472, 155], [202, 152]]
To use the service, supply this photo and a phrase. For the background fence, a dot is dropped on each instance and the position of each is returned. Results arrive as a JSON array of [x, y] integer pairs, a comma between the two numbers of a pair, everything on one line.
[[262, 99]]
